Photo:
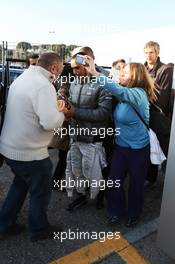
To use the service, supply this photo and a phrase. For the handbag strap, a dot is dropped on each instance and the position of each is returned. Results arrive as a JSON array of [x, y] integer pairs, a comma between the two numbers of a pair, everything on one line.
[[141, 118]]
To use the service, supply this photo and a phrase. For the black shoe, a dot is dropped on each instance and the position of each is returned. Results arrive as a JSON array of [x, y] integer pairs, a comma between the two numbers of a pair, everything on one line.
[[112, 220], [16, 229], [82, 200], [48, 233], [132, 222]]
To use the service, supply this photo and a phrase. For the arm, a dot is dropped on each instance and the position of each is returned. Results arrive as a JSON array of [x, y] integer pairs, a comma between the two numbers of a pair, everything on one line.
[[164, 81], [124, 94], [131, 95]]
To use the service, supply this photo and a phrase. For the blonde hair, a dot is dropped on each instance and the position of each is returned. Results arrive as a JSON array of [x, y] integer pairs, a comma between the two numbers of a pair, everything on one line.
[[139, 77], [153, 44]]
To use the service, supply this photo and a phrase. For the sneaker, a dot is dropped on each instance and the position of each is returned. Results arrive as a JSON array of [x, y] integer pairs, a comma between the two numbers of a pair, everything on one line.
[[82, 200], [46, 234], [112, 220]]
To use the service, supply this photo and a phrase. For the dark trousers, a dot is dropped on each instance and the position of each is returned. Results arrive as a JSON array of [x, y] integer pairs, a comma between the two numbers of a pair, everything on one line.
[[152, 173], [35, 177], [108, 146], [134, 162], [101, 194]]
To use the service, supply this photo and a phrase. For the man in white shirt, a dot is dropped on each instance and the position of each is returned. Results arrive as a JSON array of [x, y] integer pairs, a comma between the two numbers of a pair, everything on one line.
[[31, 117]]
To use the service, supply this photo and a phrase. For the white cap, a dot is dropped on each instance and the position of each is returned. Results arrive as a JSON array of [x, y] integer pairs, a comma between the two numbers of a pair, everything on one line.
[[75, 51]]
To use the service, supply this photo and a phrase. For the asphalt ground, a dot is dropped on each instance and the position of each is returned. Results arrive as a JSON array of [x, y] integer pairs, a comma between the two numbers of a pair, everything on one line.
[[19, 250]]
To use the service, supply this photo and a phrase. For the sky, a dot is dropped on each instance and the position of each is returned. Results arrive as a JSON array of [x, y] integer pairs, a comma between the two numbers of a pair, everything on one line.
[[80, 22], [72, 22]]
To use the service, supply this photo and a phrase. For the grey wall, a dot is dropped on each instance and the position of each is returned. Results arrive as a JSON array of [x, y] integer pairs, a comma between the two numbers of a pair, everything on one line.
[[166, 232]]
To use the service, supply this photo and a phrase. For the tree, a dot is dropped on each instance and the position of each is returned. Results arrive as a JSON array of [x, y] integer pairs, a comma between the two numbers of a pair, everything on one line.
[[24, 45], [22, 48], [35, 48]]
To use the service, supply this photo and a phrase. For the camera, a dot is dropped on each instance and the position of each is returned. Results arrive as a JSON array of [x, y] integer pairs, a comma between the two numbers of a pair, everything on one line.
[[80, 59]]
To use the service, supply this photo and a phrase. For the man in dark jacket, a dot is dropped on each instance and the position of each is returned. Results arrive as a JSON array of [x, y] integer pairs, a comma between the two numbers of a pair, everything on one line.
[[162, 75], [91, 109]]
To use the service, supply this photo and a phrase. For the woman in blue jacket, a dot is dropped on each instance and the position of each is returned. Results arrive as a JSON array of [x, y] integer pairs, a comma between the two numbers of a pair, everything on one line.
[[131, 154]]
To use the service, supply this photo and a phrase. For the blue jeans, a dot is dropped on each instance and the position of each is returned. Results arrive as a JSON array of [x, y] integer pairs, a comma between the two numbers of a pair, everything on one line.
[[35, 177]]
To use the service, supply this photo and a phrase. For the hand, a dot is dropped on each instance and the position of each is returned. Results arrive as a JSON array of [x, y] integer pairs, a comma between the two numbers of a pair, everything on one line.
[[72, 110], [69, 113], [90, 66], [67, 116]]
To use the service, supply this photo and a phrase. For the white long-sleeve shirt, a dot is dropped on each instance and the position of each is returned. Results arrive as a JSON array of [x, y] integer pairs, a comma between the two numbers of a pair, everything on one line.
[[31, 116]]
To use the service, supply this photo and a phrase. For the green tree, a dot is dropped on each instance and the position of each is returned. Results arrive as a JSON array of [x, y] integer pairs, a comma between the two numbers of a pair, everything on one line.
[[56, 48], [22, 48], [45, 47], [35, 48], [24, 45], [68, 51]]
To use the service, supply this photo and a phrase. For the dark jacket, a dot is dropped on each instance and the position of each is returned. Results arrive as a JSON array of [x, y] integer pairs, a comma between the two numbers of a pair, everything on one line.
[[161, 125], [92, 110], [163, 76]]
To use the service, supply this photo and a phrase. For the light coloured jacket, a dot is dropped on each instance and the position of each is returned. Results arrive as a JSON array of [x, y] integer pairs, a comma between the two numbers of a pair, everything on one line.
[[31, 116], [84, 168]]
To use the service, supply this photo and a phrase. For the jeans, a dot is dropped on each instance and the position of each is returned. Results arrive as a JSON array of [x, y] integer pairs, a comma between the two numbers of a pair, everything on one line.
[[35, 177]]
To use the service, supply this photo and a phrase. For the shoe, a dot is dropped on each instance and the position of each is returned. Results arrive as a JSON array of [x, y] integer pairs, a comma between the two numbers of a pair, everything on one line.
[[112, 220], [132, 222], [82, 200], [48, 233], [16, 229]]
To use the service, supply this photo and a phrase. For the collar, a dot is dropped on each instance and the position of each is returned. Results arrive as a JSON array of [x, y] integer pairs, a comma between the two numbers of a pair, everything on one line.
[[153, 71], [50, 77]]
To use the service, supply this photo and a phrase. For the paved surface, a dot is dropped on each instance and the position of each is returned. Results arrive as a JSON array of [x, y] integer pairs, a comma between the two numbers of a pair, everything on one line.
[[19, 249], [148, 249]]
